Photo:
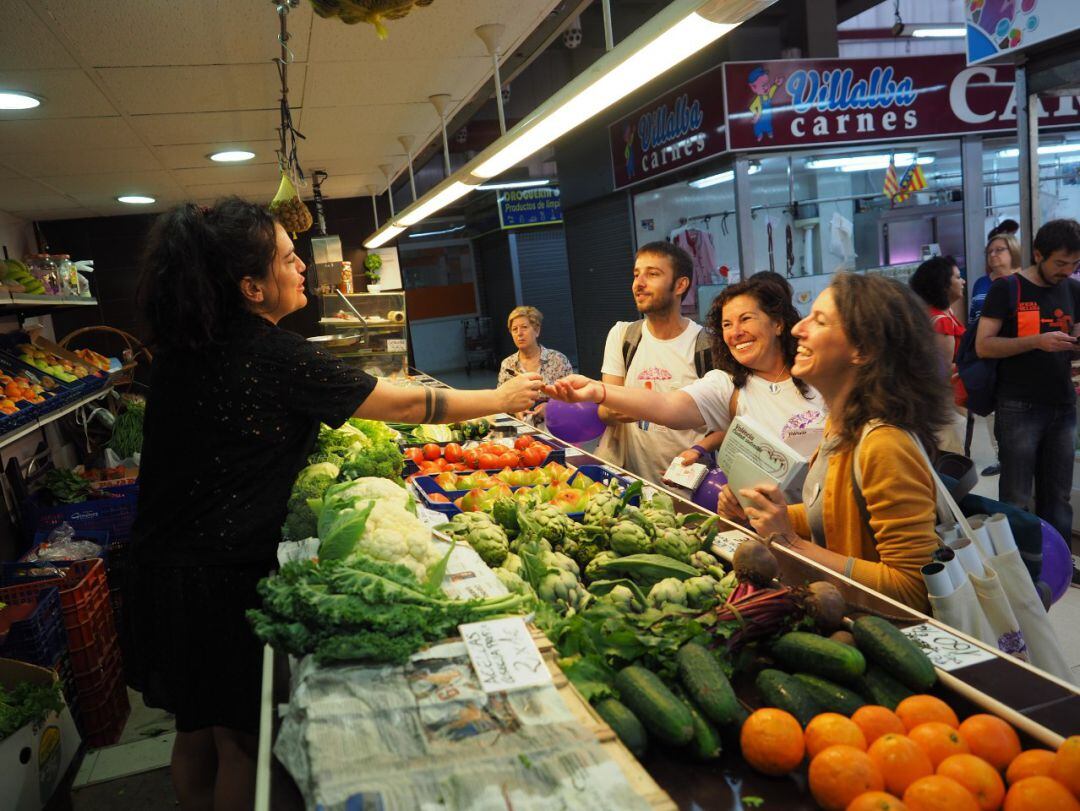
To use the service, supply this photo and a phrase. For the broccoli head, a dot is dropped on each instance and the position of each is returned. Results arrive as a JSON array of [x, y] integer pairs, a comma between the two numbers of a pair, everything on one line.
[[381, 459], [337, 444]]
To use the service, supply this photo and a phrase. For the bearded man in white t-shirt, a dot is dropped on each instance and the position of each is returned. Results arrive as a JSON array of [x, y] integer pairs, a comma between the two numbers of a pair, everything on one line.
[[665, 352]]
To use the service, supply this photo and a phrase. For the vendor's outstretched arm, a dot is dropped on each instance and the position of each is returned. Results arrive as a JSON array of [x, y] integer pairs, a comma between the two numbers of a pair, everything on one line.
[[430, 405], [674, 409]]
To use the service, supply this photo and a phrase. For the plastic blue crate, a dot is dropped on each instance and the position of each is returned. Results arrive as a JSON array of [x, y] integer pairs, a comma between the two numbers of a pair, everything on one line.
[[114, 515], [39, 639]]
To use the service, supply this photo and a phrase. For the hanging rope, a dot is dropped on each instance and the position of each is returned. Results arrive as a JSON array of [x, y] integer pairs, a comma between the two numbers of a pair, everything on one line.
[[287, 157]]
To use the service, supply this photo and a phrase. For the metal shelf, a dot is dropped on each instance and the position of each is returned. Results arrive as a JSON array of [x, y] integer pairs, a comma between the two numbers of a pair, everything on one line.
[[351, 295], [31, 300], [39, 423], [339, 323]]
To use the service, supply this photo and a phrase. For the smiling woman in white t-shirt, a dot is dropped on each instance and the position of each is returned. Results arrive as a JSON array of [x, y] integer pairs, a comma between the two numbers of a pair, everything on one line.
[[753, 347]]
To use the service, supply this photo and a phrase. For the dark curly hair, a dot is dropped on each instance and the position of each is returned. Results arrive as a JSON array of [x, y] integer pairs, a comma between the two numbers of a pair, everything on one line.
[[932, 279], [195, 257], [890, 328], [773, 296]]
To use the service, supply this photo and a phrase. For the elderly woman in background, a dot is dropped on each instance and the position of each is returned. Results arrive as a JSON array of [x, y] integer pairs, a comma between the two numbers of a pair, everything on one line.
[[524, 325]]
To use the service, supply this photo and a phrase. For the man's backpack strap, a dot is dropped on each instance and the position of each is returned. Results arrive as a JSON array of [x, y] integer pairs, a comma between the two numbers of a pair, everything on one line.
[[631, 339], [703, 358]]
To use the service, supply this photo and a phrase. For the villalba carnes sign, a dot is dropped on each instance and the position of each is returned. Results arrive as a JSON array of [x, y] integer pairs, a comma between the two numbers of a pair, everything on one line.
[[791, 103], [675, 130]]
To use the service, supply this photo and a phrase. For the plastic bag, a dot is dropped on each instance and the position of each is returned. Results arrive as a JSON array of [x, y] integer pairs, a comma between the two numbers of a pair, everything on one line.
[[63, 545]]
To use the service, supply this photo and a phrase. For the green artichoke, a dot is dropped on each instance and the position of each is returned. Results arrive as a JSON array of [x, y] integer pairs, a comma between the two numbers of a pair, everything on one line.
[[560, 586], [670, 590], [629, 538], [505, 513], [564, 562], [702, 560], [513, 582], [702, 592], [602, 510], [490, 543], [676, 544], [513, 564], [661, 519], [592, 568], [623, 599]]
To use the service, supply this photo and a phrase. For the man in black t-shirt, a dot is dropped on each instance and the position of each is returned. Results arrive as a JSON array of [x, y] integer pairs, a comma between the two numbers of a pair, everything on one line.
[[1029, 321]]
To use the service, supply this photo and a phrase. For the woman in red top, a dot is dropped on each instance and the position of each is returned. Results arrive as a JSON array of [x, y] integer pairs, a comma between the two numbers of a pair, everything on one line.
[[938, 282]]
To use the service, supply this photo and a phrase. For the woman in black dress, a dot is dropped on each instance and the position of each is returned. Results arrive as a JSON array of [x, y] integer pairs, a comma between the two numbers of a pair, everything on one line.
[[234, 410]]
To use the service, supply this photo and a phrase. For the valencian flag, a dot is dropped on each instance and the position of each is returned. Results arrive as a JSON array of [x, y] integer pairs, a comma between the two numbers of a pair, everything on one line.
[[891, 187], [914, 180]]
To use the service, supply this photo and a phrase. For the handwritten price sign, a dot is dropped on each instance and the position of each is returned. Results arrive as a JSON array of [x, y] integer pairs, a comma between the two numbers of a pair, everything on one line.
[[504, 655], [725, 543], [946, 650]]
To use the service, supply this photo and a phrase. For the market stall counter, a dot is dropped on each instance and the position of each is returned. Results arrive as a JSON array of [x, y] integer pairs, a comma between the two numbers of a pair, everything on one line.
[[407, 748]]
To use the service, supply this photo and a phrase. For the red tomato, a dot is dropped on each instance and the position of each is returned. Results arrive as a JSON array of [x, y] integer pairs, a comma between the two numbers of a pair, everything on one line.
[[441, 464], [489, 461], [453, 452], [428, 467], [415, 454], [432, 451], [472, 458], [460, 466], [522, 442], [535, 454], [439, 497], [511, 459]]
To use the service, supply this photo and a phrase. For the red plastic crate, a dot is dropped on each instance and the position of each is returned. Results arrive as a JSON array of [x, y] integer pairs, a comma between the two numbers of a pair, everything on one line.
[[103, 722], [88, 681]]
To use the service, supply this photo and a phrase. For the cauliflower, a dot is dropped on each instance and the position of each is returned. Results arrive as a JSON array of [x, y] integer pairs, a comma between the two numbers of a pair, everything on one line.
[[668, 590], [397, 536], [368, 488]]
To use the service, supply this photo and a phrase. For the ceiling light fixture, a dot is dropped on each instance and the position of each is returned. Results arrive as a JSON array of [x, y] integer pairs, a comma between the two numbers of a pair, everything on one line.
[[866, 163], [136, 199], [232, 156], [446, 193], [942, 32], [16, 100], [1046, 149], [419, 234], [383, 235], [514, 184], [722, 177]]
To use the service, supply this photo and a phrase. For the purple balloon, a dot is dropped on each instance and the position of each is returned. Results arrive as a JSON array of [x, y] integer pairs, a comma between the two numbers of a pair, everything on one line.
[[1056, 562], [708, 491], [573, 422]]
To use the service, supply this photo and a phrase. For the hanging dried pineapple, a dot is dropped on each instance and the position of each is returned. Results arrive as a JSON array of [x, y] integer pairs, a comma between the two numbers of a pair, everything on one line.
[[374, 12], [289, 209]]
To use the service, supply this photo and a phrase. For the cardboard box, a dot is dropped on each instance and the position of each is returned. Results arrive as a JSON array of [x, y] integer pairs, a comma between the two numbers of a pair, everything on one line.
[[34, 760]]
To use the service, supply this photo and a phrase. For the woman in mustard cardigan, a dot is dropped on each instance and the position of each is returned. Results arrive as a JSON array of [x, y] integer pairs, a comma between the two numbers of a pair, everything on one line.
[[867, 347]]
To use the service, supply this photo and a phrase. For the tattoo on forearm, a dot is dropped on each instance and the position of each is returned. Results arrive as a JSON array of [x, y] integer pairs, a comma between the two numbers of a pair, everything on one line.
[[440, 407], [427, 405]]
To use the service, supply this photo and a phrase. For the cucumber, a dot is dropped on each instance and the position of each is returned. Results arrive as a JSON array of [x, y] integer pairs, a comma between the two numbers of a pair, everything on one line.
[[658, 709], [625, 724], [829, 696], [706, 744], [890, 649], [881, 688], [810, 653], [786, 693], [707, 685]]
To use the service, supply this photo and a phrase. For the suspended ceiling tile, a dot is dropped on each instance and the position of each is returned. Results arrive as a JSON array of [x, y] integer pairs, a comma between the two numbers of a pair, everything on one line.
[[250, 191], [56, 213], [109, 186], [236, 173], [341, 84], [65, 94], [26, 42], [201, 88], [197, 156], [23, 194], [199, 128], [87, 161], [417, 119], [35, 134], [208, 32]]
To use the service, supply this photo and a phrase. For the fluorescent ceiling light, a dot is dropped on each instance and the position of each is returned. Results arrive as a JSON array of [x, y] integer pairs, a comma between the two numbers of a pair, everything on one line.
[[1048, 149], [866, 163], [437, 233], [232, 156], [722, 177], [514, 184], [946, 32], [383, 235], [13, 100], [870, 166], [415, 213], [136, 199]]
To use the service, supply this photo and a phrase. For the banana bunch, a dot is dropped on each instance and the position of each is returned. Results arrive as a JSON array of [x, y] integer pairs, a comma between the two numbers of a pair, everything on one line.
[[374, 12], [289, 209], [14, 272]]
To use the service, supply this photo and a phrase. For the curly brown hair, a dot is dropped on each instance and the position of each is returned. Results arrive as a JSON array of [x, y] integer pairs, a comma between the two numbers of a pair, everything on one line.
[[897, 382], [773, 296]]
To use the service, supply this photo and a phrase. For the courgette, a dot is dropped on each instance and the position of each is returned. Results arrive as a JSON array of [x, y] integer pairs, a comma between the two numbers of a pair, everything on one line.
[[706, 744], [787, 693], [888, 647], [829, 696], [625, 724], [809, 653], [881, 688], [659, 710], [707, 685]]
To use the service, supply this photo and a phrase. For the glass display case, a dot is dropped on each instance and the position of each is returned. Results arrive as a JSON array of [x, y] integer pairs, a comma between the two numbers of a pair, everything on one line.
[[381, 330]]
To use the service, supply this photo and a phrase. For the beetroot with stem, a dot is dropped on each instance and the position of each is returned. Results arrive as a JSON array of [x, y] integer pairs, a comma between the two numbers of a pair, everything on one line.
[[755, 564], [823, 603], [759, 612]]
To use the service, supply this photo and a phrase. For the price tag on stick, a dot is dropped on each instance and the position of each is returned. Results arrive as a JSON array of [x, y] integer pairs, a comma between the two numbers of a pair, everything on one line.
[[396, 345], [946, 650], [504, 655]]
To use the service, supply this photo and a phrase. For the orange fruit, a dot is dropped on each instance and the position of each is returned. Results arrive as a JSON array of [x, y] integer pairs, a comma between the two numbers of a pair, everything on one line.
[[939, 741], [875, 721], [920, 709], [772, 741], [900, 760], [1030, 763], [876, 801], [841, 773], [991, 739], [1066, 766], [1039, 793], [938, 793], [832, 729], [977, 776]]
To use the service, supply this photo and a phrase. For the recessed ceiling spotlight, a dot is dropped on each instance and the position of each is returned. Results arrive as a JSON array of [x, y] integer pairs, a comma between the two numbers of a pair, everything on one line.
[[136, 199], [14, 100], [232, 156]]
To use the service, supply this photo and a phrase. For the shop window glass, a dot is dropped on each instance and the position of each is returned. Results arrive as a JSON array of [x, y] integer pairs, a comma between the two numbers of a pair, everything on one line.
[[1059, 177]]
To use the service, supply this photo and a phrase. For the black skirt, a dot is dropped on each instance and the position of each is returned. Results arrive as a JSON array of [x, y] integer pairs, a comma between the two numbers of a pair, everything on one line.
[[189, 648]]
